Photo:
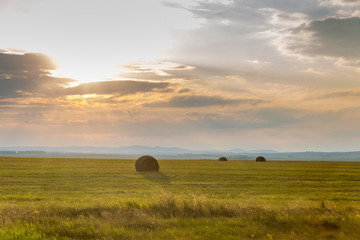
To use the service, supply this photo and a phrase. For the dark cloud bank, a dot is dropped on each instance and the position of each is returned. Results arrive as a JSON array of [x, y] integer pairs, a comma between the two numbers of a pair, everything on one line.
[[333, 37], [29, 75]]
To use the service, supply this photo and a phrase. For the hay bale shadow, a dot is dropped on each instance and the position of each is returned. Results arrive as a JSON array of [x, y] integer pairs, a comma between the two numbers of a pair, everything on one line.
[[156, 177]]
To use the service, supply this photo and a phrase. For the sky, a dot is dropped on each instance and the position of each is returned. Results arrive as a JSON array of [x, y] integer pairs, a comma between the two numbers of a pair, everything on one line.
[[204, 74]]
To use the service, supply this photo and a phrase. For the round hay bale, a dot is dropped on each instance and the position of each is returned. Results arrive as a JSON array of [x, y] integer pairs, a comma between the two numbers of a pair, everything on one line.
[[147, 163], [260, 159], [222, 159]]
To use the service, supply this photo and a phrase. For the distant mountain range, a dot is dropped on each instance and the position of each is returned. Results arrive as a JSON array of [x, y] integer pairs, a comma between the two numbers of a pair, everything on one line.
[[131, 152], [136, 149]]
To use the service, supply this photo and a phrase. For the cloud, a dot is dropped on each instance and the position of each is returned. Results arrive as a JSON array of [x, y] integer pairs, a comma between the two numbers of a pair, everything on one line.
[[234, 33], [351, 1], [153, 69], [252, 12], [192, 101], [120, 87], [17, 5], [280, 19], [340, 2], [194, 123], [330, 37], [173, 5], [6, 103], [340, 94], [23, 63], [28, 75]]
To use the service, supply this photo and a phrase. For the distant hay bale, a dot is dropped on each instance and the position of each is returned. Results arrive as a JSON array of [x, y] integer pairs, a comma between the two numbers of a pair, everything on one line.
[[223, 159], [147, 163], [260, 159]]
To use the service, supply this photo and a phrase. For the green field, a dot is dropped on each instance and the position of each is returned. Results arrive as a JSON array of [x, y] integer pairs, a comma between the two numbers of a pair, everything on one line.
[[187, 199]]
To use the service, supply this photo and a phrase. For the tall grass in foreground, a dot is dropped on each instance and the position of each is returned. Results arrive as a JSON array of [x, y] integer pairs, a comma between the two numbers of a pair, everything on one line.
[[177, 217]]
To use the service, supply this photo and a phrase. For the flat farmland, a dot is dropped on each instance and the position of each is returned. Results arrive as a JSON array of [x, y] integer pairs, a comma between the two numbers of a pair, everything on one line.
[[43, 198]]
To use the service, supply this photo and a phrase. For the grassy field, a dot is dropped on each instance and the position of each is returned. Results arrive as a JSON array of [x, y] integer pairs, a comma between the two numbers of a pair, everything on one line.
[[187, 199]]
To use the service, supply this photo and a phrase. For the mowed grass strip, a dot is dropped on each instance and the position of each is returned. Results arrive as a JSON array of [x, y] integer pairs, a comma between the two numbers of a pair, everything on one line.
[[200, 199]]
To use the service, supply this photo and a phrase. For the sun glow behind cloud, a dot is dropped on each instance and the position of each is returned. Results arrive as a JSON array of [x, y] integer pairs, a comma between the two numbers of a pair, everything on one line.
[[224, 74], [94, 37]]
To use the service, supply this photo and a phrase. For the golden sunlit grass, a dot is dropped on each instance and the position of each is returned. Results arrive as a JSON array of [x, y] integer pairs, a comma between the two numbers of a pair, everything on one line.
[[199, 199]]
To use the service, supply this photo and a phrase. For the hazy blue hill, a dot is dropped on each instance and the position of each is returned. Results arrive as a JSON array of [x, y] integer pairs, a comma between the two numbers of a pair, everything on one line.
[[132, 152], [309, 156], [136, 149], [7, 153], [263, 151]]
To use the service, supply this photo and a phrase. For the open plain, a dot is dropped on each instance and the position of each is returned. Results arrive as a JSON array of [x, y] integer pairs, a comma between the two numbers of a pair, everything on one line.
[[43, 198]]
